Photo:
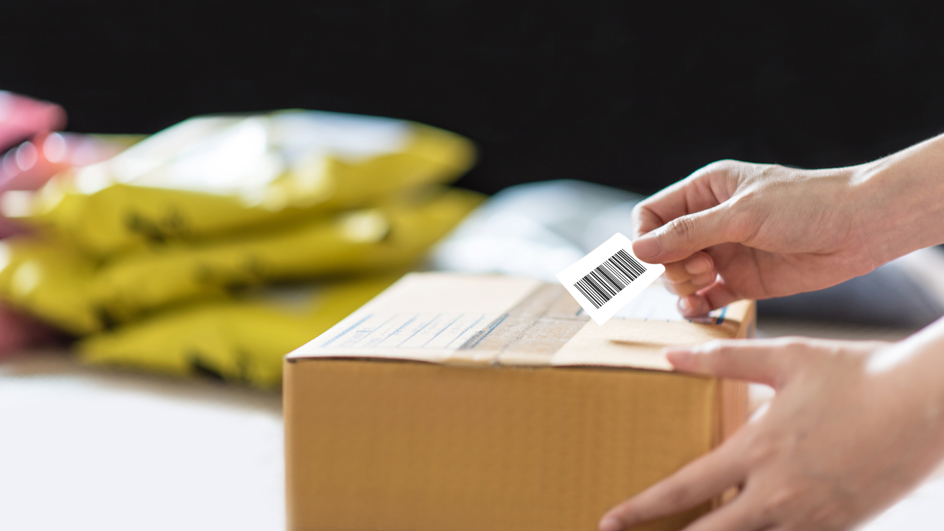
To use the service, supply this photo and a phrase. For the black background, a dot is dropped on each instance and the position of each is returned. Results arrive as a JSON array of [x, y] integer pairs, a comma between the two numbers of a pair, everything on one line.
[[631, 94]]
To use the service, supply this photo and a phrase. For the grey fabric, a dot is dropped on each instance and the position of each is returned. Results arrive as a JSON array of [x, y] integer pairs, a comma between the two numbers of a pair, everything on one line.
[[887, 296]]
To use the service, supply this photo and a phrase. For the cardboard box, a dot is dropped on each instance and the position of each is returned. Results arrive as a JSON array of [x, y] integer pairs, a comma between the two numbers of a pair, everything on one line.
[[489, 403]]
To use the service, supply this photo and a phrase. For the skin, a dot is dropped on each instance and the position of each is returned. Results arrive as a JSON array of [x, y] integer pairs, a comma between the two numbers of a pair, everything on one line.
[[734, 230], [854, 425], [31, 152], [801, 467]]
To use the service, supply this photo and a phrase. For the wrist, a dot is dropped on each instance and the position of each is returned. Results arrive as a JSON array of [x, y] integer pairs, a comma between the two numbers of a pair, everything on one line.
[[899, 203], [911, 376]]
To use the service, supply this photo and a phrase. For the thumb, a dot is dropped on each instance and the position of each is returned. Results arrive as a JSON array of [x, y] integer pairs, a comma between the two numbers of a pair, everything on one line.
[[739, 359], [686, 235]]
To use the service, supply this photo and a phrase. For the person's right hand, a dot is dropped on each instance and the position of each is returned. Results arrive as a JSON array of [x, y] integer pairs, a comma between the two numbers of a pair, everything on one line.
[[734, 230]]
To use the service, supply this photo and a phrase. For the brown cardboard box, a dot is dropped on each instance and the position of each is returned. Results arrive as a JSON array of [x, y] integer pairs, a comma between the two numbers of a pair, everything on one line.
[[488, 403]]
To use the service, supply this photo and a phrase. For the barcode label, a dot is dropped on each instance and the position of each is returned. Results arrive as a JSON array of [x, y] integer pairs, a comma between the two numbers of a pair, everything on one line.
[[608, 278], [604, 282]]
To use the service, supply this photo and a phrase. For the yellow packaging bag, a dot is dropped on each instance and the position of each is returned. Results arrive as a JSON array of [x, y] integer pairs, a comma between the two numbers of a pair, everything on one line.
[[50, 280], [235, 340], [392, 235], [53, 281], [211, 176]]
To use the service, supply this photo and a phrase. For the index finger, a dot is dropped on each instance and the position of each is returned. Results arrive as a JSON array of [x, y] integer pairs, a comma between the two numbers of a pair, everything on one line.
[[695, 193]]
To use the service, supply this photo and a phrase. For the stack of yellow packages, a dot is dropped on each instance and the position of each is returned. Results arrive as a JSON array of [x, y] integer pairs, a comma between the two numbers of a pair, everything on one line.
[[224, 242]]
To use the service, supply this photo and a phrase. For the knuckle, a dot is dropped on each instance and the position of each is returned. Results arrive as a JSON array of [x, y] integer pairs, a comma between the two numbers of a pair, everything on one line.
[[684, 289], [683, 227], [725, 165], [726, 169], [759, 450], [676, 273]]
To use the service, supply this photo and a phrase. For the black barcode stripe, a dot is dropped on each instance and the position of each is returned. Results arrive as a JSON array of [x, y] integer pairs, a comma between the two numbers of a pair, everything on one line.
[[609, 278]]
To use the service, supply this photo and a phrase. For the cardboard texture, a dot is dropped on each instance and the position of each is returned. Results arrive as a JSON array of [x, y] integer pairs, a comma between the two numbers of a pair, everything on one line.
[[459, 403]]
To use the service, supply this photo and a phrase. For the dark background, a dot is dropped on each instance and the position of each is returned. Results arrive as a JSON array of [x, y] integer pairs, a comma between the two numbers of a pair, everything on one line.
[[627, 93]]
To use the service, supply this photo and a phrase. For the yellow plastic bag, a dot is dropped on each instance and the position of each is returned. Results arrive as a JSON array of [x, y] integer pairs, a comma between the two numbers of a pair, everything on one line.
[[216, 175], [235, 340], [50, 280], [393, 235]]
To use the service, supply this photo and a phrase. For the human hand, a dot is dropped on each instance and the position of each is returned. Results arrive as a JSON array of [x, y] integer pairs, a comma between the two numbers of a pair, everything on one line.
[[853, 427], [23, 118], [734, 230], [35, 152]]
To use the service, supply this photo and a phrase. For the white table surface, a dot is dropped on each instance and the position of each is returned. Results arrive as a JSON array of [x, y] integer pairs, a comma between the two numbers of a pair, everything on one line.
[[104, 450]]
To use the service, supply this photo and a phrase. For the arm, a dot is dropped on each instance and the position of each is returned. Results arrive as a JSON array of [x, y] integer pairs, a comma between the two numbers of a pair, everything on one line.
[[735, 230], [854, 426], [903, 200]]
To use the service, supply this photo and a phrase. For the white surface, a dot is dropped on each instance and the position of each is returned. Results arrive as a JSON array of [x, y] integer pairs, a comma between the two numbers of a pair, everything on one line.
[[86, 449], [101, 450]]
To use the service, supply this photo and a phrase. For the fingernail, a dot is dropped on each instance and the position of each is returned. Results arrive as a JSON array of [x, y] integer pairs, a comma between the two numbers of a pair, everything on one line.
[[685, 305], [698, 265], [610, 524], [647, 247]]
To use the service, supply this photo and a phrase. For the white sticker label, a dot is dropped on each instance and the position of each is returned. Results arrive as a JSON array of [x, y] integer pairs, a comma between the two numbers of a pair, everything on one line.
[[608, 278]]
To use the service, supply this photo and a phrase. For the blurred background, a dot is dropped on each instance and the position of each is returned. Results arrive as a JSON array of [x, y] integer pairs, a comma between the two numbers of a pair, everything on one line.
[[144, 313], [627, 93]]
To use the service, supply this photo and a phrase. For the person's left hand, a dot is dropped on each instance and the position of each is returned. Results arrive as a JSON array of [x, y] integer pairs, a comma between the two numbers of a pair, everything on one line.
[[844, 438]]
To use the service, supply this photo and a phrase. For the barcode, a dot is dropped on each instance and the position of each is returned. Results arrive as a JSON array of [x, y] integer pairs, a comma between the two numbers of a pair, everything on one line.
[[609, 278]]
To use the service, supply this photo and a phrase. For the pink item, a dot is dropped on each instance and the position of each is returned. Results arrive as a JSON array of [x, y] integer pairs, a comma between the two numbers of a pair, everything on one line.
[[42, 152], [22, 118], [19, 332]]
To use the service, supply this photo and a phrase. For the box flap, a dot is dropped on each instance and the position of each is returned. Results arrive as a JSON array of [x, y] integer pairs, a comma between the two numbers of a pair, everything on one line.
[[500, 320]]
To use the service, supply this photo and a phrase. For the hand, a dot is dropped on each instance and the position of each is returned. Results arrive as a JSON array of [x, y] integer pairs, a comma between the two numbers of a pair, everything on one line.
[[22, 118], [734, 230], [853, 427], [35, 152]]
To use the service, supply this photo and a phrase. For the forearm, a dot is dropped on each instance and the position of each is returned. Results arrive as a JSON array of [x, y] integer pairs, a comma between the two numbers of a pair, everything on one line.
[[900, 200], [912, 373]]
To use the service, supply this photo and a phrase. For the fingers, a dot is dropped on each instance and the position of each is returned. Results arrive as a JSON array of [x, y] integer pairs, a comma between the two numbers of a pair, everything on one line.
[[692, 285], [684, 218], [718, 295], [741, 514], [759, 361], [32, 163], [705, 188], [683, 236], [697, 264], [665, 205], [22, 118], [697, 482], [690, 275]]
